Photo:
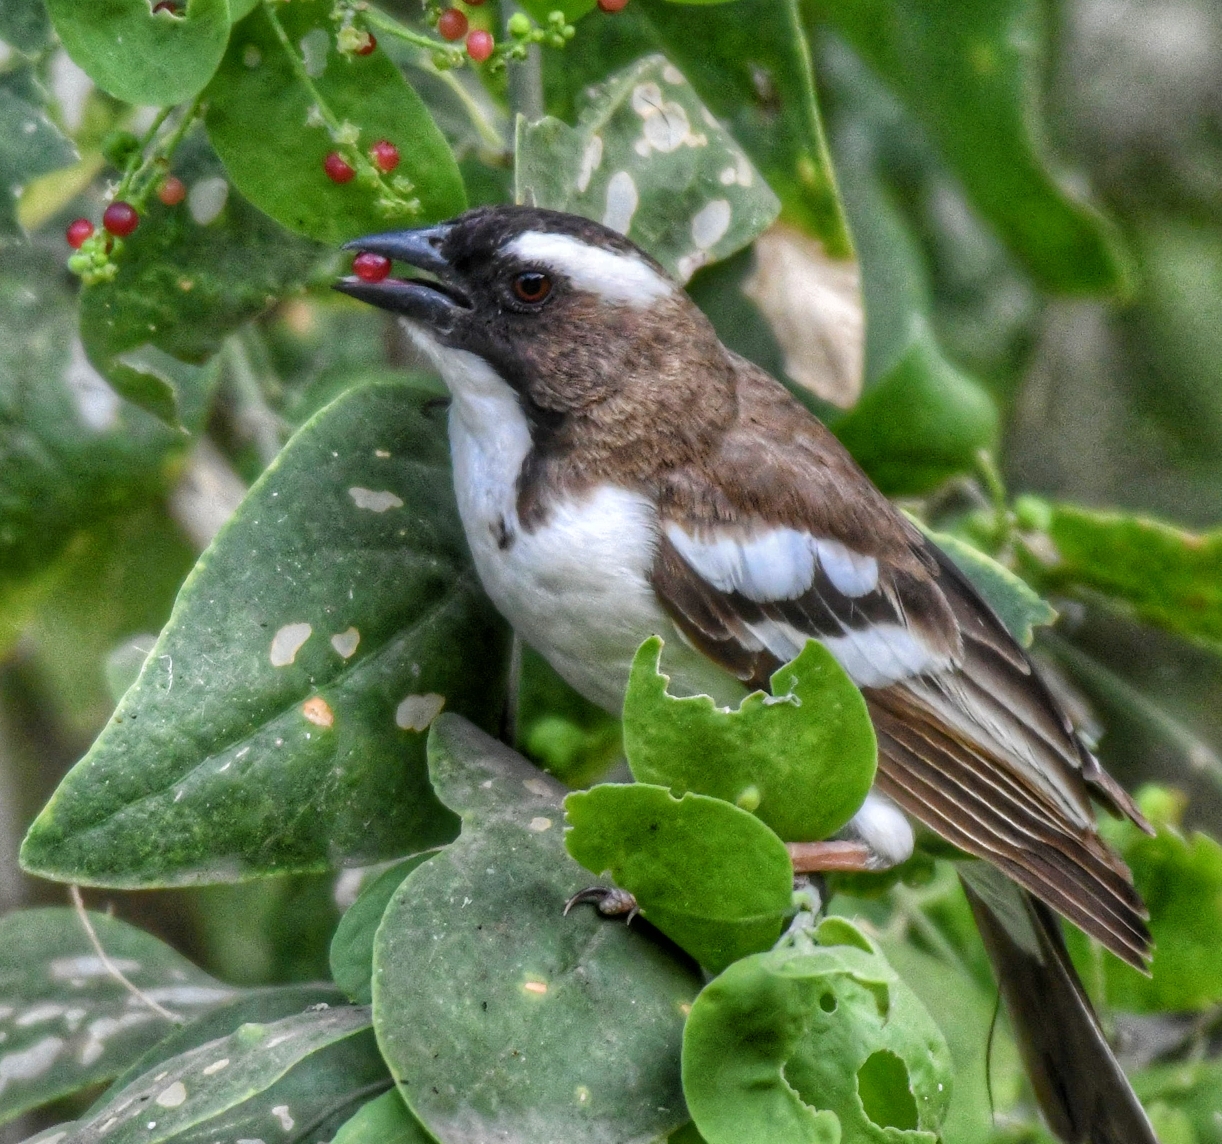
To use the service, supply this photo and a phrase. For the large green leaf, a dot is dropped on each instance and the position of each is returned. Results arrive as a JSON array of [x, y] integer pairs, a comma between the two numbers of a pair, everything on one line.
[[710, 876], [647, 159], [1193, 1090], [802, 758], [261, 123], [188, 276], [227, 1087], [24, 25], [970, 73], [815, 1044], [30, 144], [500, 1017], [278, 723], [66, 1022], [1162, 574], [142, 56]]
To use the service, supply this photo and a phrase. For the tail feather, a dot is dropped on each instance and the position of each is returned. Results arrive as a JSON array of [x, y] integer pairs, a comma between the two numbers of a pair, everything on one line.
[[1082, 1090]]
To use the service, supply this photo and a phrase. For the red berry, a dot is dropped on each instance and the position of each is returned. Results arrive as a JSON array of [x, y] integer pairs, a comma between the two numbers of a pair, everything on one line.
[[613, 5], [370, 267], [385, 156], [172, 191], [338, 170], [120, 219], [78, 231], [371, 42], [452, 25], [475, 3], [480, 45], [166, 6]]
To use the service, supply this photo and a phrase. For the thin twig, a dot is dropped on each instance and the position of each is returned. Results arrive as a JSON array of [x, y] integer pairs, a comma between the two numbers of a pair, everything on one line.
[[78, 904]]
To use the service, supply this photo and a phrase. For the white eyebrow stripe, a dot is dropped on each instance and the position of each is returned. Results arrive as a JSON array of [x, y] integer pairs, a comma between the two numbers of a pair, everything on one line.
[[625, 279]]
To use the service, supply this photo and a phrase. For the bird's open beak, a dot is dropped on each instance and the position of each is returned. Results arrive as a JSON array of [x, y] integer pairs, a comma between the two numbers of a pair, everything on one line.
[[437, 302]]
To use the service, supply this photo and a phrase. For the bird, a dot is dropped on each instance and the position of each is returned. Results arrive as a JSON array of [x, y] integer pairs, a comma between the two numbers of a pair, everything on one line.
[[620, 473]]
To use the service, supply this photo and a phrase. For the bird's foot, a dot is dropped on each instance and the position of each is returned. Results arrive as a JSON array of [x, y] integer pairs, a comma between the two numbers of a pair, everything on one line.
[[817, 857], [610, 901]]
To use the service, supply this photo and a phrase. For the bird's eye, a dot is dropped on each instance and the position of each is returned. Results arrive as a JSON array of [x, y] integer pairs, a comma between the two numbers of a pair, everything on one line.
[[531, 286]]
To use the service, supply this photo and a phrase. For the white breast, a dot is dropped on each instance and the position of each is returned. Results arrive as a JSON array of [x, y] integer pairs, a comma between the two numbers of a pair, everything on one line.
[[576, 588]]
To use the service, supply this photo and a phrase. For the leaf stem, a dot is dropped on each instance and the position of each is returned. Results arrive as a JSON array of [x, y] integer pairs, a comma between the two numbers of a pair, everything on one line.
[[393, 27], [78, 904]]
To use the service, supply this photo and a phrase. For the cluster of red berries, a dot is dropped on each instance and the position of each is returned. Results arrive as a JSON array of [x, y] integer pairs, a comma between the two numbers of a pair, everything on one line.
[[452, 26], [121, 218], [384, 153]]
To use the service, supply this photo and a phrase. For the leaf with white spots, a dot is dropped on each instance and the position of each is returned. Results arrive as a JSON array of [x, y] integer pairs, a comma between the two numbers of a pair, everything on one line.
[[245, 1099], [501, 1018], [30, 144], [250, 744], [66, 1021], [647, 159]]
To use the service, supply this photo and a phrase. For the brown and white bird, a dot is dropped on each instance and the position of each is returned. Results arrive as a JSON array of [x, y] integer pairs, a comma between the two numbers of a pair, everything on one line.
[[620, 473]]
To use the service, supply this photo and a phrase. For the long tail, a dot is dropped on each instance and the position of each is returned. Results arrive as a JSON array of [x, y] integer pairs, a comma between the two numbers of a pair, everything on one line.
[[1080, 1086]]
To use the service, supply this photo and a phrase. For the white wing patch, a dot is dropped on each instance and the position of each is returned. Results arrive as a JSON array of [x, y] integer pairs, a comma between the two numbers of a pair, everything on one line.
[[774, 564], [625, 279], [881, 825]]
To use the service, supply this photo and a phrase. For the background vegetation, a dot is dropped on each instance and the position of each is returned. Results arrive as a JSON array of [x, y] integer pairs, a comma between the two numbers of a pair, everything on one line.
[[1025, 197]]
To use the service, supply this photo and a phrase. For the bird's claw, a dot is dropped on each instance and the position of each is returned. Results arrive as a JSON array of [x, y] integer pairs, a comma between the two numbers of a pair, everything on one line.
[[610, 901]]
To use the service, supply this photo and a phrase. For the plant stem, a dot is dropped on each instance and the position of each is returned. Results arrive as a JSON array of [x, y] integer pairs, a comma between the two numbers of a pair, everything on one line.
[[299, 69], [392, 27]]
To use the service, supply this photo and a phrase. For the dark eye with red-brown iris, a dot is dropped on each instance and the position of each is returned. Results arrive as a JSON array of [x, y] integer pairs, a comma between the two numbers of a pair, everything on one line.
[[532, 287]]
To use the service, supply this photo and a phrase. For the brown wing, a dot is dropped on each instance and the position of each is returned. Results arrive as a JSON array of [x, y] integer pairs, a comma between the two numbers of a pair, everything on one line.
[[971, 742]]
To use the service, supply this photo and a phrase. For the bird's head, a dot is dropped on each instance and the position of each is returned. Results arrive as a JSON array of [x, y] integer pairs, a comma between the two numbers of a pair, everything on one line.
[[567, 312]]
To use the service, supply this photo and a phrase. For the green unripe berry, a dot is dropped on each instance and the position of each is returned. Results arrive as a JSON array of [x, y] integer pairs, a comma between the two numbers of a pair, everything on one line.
[[519, 25], [119, 147]]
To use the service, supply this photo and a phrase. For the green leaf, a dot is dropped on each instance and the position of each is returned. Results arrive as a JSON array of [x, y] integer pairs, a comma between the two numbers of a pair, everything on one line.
[[647, 159], [278, 723], [815, 1045], [71, 452], [1179, 877], [710, 876], [971, 75], [24, 25], [1162, 574], [499, 1016], [801, 758], [230, 1083], [183, 285], [260, 122], [1016, 603], [30, 145], [384, 1120], [921, 422], [67, 1022], [352, 945], [142, 56]]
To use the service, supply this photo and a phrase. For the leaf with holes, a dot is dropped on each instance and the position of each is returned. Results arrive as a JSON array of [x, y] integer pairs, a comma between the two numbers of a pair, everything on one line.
[[143, 56], [499, 1016], [264, 120], [710, 876], [801, 758], [278, 722], [647, 159], [236, 1083], [815, 1043], [66, 1022]]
